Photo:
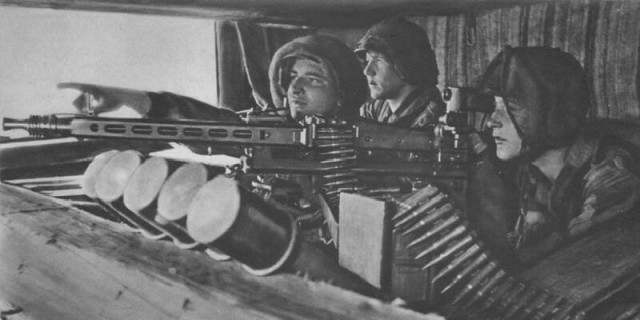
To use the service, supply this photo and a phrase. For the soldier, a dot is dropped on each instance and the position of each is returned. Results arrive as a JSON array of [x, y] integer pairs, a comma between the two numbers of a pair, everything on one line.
[[317, 75], [570, 177], [402, 74], [311, 75]]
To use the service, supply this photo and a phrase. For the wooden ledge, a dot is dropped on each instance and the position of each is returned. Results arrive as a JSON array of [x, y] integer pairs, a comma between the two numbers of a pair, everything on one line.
[[62, 263], [593, 268]]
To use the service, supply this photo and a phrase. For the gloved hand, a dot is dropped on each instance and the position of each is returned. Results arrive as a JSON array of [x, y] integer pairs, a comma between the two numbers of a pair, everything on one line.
[[530, 228], [97, 99]]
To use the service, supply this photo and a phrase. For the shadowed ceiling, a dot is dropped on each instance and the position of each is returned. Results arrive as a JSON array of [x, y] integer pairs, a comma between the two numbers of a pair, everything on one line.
[[320, 13]]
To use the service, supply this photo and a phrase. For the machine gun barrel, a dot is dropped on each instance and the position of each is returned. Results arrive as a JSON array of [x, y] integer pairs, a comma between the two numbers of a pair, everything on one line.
[[160, 130], [367, 135], [279, 146]]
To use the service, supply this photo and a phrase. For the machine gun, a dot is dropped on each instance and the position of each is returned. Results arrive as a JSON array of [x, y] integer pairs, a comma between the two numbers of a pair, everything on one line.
[[339, 151], [315, 147]]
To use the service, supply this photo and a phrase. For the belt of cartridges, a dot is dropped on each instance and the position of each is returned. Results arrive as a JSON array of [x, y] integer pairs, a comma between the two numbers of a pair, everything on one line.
[[462, 274], [336, 150]]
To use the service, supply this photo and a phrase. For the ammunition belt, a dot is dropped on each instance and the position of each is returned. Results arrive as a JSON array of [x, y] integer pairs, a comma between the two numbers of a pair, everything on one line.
[[632, 312], [337, 154], [460, 272]]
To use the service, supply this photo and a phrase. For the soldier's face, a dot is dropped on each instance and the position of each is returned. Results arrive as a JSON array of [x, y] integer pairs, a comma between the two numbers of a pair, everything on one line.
[[384, 82], [508, 141], [312, 90]]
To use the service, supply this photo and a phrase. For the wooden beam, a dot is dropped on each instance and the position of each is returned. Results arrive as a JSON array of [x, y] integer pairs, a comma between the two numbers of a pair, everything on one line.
[[62, 263], [594, 268], [39, 158], [299, 12]]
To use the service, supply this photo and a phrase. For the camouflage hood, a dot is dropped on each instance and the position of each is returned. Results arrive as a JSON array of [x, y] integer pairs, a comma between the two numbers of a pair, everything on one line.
[[335, 57], [545, 91]]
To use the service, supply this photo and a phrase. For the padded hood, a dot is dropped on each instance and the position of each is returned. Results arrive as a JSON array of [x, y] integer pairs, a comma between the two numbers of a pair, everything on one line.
[[406, 44], [335, 57], [546, 94]]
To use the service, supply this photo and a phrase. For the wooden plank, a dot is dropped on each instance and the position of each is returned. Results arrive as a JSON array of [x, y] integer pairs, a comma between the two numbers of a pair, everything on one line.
[[593, 268], [570, 28], [61, 263], [624, 43], [482, 49], [61, 156], [475, 47], [535, 30], [438, 40], [327, 13], [600, 56]]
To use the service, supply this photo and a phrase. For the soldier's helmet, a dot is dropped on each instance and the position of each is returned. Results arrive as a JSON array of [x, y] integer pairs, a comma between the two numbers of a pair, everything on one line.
[[335, 57], [407, 46]]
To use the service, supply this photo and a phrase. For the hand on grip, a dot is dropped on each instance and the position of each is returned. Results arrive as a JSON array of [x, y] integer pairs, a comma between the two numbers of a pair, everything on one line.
[[97, 99]]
